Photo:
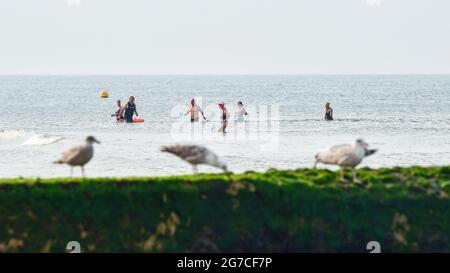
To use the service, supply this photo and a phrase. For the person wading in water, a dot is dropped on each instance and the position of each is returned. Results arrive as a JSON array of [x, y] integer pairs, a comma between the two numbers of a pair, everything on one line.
[[328, 112], [194, 109], [224, 118], [241, 112], [130, 110], [119, 112]]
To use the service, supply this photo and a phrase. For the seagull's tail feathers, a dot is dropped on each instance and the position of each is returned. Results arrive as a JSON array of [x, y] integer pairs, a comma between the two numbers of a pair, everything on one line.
[[59, 161], [370, 151]]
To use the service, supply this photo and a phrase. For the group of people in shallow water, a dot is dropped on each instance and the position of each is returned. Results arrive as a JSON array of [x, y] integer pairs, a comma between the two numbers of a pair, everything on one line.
[[194, 111], [126, 113]]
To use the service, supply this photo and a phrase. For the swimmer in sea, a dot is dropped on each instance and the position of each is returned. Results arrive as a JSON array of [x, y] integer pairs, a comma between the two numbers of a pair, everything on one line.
[[224, 117], [241, 112], [328, 112], [118, 114], [194, 109], [130, 110]]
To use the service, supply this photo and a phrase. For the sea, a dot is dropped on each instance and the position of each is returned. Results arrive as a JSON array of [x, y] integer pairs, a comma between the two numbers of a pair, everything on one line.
[[405, 117]]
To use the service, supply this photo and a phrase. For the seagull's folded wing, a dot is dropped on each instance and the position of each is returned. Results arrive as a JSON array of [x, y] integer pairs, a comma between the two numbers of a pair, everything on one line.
[[344, 155], [196, 154], [71, 154], [336, 153]]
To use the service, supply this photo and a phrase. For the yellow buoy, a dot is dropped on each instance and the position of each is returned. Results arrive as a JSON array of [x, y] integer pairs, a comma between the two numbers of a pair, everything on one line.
[[104, 94]]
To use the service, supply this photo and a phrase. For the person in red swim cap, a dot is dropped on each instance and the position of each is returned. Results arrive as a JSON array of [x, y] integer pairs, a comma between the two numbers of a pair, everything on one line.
[[224, 118]]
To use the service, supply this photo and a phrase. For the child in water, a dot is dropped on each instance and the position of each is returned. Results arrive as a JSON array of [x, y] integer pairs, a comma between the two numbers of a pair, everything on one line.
[[118, 114], [328, 112]]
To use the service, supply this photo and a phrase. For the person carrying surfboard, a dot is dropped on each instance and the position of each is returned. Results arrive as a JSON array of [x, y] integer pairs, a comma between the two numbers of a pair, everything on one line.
[[130, 109]]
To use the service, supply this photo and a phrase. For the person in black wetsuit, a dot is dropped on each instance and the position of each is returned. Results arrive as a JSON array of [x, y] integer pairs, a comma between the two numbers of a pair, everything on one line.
[[130, 110], [328, 112]]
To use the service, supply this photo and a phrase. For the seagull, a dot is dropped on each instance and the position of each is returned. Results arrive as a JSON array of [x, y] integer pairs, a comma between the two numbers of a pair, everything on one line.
[[79, 155], [345, 155], [196, 155]]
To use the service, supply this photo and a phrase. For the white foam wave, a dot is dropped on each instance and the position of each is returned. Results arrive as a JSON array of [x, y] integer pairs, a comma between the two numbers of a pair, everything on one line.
[[41, 140], [11, 134], [27, 138]]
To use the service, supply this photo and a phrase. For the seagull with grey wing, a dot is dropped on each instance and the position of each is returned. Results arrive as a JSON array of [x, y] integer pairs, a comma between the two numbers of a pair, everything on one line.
[[196, 155], [79, 155], [345, 155]]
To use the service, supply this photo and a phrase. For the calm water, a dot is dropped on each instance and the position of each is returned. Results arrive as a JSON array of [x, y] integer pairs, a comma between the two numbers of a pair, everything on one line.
[[406, 117]]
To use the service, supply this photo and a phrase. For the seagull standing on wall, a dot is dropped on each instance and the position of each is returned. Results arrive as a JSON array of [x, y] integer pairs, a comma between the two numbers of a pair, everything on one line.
[[345, 155], [79, 155], [196, 155]]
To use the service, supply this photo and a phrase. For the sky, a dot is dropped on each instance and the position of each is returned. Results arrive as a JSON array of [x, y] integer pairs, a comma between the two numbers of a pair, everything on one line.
[[224, 37]]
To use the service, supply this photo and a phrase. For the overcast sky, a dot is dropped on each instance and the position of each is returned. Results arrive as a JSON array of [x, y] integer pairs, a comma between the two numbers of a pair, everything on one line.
[[224, 36]]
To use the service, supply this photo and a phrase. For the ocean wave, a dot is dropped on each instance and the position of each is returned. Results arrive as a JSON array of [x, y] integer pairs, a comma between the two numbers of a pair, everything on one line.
[[41, 140], [12, 134], [28, 138]]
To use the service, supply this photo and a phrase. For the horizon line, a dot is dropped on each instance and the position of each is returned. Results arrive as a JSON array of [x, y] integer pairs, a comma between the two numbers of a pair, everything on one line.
[[237, 74]]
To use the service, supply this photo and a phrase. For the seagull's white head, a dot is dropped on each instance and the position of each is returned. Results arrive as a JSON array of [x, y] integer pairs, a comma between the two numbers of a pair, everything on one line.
[[91, 140], [360, 142]]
